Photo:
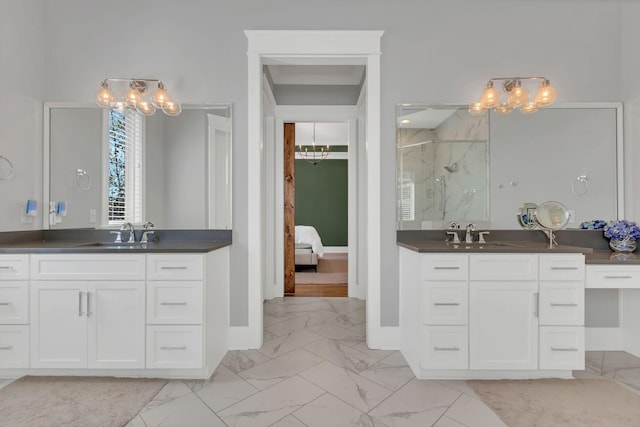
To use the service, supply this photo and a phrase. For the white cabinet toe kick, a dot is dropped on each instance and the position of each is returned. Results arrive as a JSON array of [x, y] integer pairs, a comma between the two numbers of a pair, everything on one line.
[[492, 315], [132, 315]]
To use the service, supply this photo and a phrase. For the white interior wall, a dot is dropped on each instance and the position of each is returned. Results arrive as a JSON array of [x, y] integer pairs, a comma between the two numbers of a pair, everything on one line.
[[431, 53], [21, 94]]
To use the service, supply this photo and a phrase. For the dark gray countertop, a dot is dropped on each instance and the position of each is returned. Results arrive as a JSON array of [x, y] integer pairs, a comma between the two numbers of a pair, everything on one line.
[[54, 247], [101, 241], [592, 243], [490, 247], [610, 257]]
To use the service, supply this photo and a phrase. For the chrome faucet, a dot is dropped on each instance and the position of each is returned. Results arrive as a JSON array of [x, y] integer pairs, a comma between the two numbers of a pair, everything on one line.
[[148, 231], [127, 226], [469, 234], [454, 227]]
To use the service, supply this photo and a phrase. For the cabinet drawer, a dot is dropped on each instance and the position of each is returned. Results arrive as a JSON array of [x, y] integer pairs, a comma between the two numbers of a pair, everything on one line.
[[503, 267], [562, 267], [171, 347], [14, 267], [88, 267], [174, 302], [445, 267], [613, 276], [175, 267], [14, 302], [562, 347], [562, 303], [445, 303], [445, 347], [14, 346]]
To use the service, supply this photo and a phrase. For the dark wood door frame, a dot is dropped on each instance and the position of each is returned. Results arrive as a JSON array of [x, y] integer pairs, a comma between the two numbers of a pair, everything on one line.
[[289, 209]]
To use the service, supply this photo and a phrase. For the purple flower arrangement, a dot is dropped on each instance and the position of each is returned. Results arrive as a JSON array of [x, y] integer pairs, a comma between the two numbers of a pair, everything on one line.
[[622, 230]]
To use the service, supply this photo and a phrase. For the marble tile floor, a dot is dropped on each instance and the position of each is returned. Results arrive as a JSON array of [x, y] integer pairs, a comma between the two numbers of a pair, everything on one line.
[[315, 369]]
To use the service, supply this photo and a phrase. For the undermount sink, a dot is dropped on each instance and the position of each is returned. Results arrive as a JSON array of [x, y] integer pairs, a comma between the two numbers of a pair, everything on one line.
[[478, 245], [115, 245]]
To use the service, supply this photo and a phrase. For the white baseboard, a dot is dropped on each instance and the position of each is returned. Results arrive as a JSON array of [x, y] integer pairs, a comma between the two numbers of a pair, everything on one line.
[[384, 338], [336, 249], [240, 338], [603, 339]]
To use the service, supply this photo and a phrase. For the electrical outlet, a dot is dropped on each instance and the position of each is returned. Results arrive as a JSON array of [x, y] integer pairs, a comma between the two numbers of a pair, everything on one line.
[[92, 216], [572, 216]]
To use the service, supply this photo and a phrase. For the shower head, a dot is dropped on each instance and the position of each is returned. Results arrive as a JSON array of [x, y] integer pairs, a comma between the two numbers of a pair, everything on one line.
[[452, 168]]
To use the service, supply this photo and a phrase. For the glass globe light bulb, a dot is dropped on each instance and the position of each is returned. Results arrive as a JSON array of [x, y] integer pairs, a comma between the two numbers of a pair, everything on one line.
[[529, 107], [133, 97], [518, 96], [172, 108], [490, 97], [546, 95], [504, 109], [120, 105], [146, 108], [104, 97], [160, 96], [476, 109]]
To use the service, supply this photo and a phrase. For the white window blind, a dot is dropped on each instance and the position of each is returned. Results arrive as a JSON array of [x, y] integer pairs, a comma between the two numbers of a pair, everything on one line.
[[125, 167], [407, 196]]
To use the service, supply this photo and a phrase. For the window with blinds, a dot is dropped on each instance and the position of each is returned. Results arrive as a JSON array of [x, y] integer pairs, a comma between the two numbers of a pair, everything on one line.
[[407, 196], [125, 167]]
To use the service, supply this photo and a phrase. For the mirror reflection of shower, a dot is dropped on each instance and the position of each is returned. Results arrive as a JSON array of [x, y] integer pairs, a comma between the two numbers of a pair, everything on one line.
[[441, 181]]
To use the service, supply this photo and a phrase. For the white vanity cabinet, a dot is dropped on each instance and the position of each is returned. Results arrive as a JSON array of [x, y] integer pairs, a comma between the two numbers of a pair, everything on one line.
[[88, 311], [14, 311], [503, 313], [492, 315], [175, 305]]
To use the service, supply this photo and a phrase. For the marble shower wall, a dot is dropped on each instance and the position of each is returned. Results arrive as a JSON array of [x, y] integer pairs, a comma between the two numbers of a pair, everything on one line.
[[449, 173]]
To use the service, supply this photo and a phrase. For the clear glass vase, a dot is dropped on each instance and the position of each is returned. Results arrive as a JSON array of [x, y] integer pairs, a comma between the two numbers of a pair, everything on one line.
[[622, 245]]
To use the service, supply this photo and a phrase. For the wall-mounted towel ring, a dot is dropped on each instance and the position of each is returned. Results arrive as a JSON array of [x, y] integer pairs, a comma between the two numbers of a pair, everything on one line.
[[11, 169], [83, 179], [582, 188]]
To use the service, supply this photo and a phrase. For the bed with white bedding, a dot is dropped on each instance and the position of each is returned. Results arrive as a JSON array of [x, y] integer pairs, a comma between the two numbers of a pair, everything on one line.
[[308, 246]]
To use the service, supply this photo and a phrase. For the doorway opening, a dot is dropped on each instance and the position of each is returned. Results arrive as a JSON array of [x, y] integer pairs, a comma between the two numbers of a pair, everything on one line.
[[309, 48], [316, 208]]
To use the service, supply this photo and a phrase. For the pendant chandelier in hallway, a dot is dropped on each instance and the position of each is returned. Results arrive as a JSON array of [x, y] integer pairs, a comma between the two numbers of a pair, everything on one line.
[[313, 153]]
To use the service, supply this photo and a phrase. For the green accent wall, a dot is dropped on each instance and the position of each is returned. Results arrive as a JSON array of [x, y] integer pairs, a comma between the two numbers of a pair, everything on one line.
[[322, 199]]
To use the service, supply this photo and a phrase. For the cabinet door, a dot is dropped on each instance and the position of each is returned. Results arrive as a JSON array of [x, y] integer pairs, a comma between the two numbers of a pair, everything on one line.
[[503, 325], [116, 320], [58, 324]]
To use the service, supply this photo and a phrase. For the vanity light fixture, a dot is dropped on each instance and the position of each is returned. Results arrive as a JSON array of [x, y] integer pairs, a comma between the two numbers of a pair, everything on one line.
[[313, 153], [517, 96], [135, 96]]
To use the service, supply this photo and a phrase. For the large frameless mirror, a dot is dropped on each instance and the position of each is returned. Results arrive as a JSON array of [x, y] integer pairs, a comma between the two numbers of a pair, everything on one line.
[[108, 167], [449, 163]]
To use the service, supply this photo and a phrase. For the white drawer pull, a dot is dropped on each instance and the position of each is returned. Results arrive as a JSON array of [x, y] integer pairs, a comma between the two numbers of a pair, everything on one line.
[[173, 347], [560, 304], [5, 303], [6, 267], [564, 349], [6, 347], [172, 303], [180, 267], [618, 277], [454, 348], [564, 268], [446, 303], [446, 268]]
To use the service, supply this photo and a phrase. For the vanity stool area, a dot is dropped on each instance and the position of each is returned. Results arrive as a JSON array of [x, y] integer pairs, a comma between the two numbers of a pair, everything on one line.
[[132, 312]]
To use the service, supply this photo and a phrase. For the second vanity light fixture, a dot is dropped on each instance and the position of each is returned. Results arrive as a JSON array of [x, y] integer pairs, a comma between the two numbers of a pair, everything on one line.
[[517, 97], [135, 95]]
